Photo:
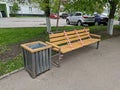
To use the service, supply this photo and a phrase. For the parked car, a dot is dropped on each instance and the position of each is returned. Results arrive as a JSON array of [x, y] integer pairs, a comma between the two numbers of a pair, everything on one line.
[[0, 15], [79, 19], [54, 16], [64, 15], [101, 19]]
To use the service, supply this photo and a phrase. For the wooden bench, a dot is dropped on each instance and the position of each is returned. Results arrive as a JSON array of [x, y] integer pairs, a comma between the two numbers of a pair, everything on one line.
[[64, 42]]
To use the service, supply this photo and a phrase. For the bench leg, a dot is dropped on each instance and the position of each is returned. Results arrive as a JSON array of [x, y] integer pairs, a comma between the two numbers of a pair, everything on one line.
[[59, 59], [98, 44], [57, 63]]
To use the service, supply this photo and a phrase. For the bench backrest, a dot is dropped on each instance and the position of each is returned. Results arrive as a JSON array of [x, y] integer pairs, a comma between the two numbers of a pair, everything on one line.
[[84, 34], [58, 38], [73, 36]]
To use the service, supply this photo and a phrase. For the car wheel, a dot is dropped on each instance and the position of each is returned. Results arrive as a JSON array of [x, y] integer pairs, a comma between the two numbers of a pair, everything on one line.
[[79, 23], [67, 21]]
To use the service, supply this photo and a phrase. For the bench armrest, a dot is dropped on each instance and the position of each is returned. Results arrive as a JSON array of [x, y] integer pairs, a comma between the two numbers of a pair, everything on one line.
[[53, 45], [95, 35]]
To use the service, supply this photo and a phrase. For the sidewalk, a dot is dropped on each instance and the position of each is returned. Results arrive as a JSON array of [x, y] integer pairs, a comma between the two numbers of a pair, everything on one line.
[[83, 69]]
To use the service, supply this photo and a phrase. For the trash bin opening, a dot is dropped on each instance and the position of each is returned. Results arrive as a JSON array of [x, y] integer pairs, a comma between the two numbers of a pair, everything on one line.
[[35, 46]]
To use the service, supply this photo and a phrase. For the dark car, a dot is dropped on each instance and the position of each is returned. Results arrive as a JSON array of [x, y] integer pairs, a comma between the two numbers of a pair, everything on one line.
[[101, 19], [64, 15]]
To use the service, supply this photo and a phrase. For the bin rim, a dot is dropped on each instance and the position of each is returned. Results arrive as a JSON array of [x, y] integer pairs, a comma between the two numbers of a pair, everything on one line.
[[26, 46]]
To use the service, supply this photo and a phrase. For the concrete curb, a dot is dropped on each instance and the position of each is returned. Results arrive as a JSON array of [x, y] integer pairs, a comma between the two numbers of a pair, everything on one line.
[[13, 72]]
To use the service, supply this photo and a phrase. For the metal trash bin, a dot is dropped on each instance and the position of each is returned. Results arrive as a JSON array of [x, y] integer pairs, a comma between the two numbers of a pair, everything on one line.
[[37, 57]]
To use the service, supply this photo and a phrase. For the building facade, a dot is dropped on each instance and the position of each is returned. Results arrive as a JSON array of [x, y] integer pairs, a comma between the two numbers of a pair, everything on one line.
[[26, 8]]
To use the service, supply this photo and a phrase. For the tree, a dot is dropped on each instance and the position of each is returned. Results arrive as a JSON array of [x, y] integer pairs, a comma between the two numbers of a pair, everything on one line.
[[113, 4], [45, 5], [91, 6], [15, 8], [49, 6], [118, 10], [119, 16]]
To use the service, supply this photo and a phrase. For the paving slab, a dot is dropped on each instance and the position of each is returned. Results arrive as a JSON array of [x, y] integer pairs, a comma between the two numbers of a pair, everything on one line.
[[83, 69]]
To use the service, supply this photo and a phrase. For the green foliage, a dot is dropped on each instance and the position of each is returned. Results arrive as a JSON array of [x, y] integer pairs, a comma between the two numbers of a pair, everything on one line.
[[52, 4], [44, 5], [88, 6], [15, 8], [91, 6], [21, 1], [55, 6]]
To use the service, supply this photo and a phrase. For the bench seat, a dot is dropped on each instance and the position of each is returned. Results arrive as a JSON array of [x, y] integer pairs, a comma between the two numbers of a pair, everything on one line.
[[90, 41], [67, 48]]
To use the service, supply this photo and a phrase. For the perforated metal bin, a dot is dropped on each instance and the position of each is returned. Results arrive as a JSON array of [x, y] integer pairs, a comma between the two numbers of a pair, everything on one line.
[[37, 57]]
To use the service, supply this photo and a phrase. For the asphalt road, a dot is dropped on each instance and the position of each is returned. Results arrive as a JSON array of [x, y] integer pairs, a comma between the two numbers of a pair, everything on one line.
[[31, 22], [28, 22]]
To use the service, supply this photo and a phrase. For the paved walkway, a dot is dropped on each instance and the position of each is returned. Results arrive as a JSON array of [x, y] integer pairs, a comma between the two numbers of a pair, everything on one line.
[[83, 69]]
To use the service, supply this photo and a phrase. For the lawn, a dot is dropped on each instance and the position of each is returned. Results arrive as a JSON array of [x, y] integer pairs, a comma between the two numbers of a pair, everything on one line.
[[11, 38]]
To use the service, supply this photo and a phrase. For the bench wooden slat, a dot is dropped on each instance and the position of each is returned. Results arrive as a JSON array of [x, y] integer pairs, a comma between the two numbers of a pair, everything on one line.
[[77, 39], [56, 35], [83, 30], [83, 37], [70, 32], [84, 33], [57, 39], [60, 42], [90, 41], [74, 39], [72, 36]]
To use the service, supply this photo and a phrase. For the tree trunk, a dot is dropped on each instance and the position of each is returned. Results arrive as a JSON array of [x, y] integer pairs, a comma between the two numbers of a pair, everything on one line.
[[119, 18], [111, 17], [47, 14], [48, 23], [110, 26], [57, 24]]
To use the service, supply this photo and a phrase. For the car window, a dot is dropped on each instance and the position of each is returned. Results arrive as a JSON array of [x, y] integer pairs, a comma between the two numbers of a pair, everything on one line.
[[78, 14], [96, 15], [64, 14], [71, 14]]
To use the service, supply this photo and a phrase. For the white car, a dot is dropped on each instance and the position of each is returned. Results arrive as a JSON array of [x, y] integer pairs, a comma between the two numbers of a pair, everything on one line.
[[79, 19]]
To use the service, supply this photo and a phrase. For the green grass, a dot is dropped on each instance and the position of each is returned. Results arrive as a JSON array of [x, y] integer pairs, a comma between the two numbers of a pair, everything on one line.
[[17, 35], [12, 36], [11, 65]]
